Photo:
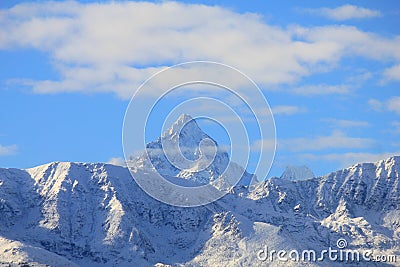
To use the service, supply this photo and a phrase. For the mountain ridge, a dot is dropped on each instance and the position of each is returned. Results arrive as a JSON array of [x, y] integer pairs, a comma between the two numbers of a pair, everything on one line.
[[95, 214]]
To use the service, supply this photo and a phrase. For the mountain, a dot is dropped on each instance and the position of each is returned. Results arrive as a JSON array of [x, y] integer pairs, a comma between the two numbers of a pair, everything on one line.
[[185, 151], [95, 214], [297, 173], [64, 214]]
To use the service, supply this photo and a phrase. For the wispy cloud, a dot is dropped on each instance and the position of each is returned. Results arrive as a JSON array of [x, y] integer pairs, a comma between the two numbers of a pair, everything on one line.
[[392, 104], [337, 140], [391, 74], [350, 85], [94, 55], [352, 41], [375, 104], [8, 150], [321, 89], [345, 12], [346, 123], [348, 159], [287, 110], [118, 161]]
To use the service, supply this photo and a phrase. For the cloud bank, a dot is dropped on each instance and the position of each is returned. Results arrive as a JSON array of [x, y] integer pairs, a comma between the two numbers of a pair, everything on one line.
[[114, 47]]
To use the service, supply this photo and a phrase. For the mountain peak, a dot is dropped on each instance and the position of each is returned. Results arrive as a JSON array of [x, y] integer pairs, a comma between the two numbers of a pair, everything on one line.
[[184, 118], [192, 155], [297, 173], [185, 126]]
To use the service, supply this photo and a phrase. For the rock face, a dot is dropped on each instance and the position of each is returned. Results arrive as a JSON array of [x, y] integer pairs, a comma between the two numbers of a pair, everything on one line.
[[295, 173], [94, 214]]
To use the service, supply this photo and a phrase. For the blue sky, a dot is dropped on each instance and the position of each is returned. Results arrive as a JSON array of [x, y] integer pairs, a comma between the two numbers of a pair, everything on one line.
[[330, 72]]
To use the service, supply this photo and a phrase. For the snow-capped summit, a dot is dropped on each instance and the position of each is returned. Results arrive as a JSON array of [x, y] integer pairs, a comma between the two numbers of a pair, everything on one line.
[[185, 136], [185, 151], [295, 173], [184, 126]]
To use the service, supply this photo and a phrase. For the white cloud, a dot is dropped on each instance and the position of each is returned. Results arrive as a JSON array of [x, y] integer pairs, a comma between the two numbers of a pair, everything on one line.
[[286, 110], [345, 12], [263, 145], [349, 159], [114, 47], [392, 73], [321, 89], [118, 161], [337, 140], [375, 104], [351, 84], [346, 123], [351, 41], [8, 150], [392, 104]]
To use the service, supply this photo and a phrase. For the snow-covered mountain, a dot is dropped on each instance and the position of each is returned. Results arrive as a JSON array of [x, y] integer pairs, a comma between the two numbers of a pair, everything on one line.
[[297, 173], [94, 214], [203, 161]]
